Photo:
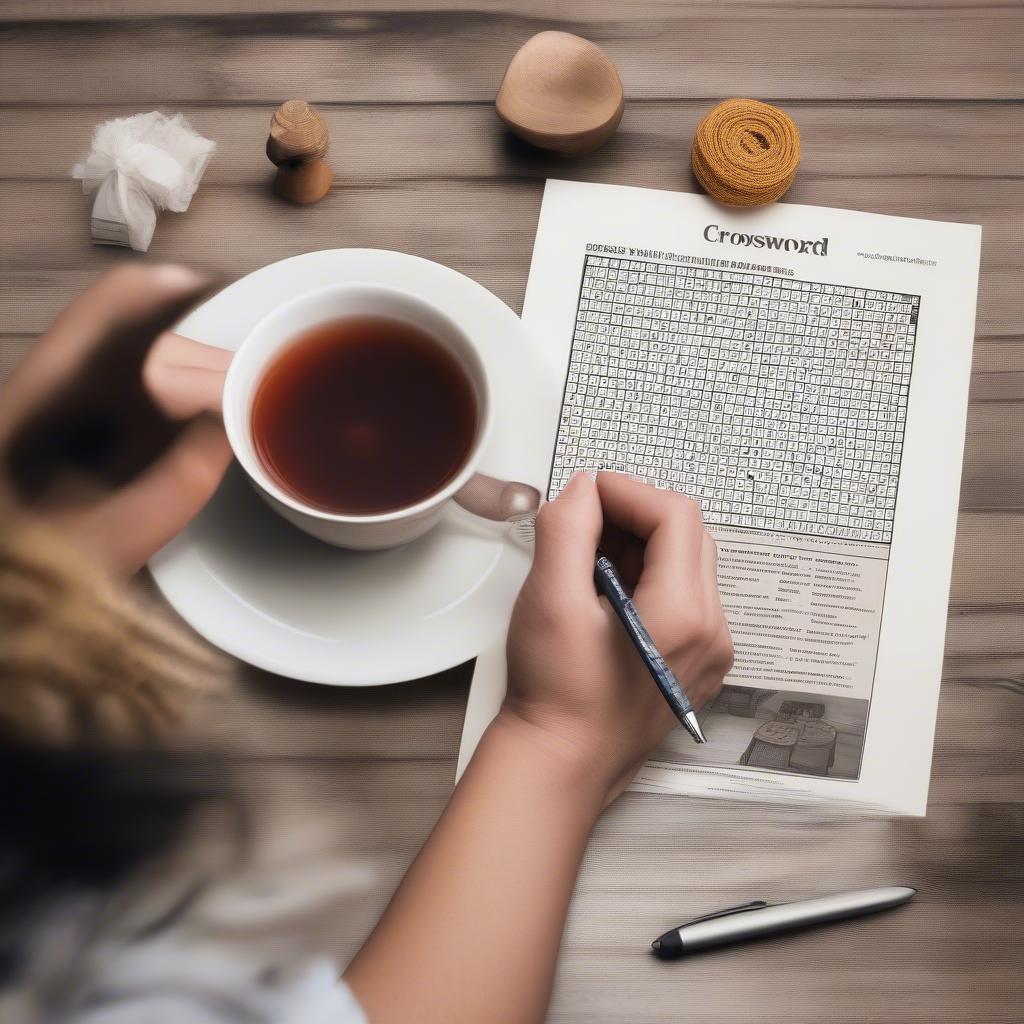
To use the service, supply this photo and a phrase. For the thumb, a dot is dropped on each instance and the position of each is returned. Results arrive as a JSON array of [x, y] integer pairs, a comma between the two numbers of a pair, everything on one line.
[[185, 377], [568, 531], [132, 524]]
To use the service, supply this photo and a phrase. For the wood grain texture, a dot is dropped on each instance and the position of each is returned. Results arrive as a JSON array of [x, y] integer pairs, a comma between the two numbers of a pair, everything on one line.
[[771, 50], [904, 107]]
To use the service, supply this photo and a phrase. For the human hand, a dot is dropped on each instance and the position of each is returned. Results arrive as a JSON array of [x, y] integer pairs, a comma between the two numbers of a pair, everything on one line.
[[575, 679], [110, 429]]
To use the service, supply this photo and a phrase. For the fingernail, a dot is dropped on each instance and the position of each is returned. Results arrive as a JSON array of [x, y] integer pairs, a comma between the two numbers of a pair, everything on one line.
[[174, 275]]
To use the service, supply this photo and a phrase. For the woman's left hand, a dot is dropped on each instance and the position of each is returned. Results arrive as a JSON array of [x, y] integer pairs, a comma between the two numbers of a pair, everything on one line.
[[110, 429]]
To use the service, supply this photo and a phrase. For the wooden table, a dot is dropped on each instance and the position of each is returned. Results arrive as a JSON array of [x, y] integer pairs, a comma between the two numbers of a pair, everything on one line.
[[909, 108]]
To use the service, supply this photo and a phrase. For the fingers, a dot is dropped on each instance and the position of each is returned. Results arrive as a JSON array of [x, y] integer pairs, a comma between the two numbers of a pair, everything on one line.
[[133, 298], [709, 571], [123, 311], [668, 522], [127, 528], [677, 589], [184, 377], [717, 656], [626, 551], [568, 531], [713, 601]]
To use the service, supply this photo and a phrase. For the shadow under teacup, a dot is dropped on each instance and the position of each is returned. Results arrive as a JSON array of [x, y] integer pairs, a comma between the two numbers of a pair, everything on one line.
[[290, 332]]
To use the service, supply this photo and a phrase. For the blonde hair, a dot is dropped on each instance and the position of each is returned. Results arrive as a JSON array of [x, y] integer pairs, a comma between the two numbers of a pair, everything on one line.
[[83, 660]]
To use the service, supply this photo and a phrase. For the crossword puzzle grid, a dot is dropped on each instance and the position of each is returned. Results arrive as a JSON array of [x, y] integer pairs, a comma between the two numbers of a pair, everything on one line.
[[779, 404]]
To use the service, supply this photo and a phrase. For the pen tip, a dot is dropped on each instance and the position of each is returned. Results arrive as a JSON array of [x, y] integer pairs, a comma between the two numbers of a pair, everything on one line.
[[693, 727], [656, 945]]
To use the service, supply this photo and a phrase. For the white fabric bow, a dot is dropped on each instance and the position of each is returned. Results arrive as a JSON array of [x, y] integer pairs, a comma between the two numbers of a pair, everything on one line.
[[139, 165]]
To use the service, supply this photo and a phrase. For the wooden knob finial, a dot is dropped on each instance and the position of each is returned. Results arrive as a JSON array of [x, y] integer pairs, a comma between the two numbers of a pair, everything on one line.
[[561, 92], [297, 144]]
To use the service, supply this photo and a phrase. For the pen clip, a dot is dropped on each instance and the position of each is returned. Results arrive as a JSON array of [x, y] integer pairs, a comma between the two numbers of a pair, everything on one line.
[[754, 905]]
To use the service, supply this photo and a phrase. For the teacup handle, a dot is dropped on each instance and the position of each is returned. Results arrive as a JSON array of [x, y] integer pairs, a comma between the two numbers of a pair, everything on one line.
[[501, 501]]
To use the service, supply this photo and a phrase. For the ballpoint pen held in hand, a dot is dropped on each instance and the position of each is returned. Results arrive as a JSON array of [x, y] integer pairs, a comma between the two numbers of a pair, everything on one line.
[[610, 585]]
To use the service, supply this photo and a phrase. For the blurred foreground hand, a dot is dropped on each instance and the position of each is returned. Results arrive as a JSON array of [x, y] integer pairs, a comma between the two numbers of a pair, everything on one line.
[[110, 429]]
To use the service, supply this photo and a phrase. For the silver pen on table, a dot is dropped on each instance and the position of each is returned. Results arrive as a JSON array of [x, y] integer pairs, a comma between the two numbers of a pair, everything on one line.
[[610, 585], [759, 920]]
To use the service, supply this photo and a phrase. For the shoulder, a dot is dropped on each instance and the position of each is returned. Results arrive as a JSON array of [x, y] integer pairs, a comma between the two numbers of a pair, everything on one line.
[[160, 982]]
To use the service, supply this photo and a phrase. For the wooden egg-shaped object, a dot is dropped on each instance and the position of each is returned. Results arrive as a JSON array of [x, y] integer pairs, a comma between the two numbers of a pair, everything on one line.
[[561, 92], [297, 143]]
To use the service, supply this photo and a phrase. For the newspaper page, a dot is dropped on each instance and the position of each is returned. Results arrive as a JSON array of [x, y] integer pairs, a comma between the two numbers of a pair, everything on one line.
[[802, 372]]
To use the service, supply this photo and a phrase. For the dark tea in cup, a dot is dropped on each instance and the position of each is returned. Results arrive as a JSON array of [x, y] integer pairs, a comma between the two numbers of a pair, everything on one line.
[[364, 415]]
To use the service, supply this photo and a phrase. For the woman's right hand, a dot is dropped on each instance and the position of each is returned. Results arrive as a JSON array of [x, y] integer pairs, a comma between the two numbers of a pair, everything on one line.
[[576, 684], [477, 921]]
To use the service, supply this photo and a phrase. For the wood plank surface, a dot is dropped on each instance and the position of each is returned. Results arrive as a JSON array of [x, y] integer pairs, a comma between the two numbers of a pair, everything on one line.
[[911, 108], [483, 229], [663, 51], [460, 141]]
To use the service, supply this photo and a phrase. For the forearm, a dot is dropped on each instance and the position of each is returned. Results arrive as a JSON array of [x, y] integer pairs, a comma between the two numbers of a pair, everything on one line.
[[473, 931]]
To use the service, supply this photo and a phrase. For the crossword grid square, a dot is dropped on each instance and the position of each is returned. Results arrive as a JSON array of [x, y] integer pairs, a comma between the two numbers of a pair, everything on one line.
[[779, 404]]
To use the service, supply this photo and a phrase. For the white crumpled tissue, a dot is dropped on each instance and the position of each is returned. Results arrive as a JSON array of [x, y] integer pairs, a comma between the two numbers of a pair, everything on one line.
[[139, 165]]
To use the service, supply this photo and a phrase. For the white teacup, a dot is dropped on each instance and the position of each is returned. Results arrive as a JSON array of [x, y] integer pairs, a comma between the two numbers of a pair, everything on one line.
[[492, 499]]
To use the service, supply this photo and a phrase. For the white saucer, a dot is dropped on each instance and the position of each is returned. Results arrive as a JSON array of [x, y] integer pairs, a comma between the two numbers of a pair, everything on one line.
[[272, 596]]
